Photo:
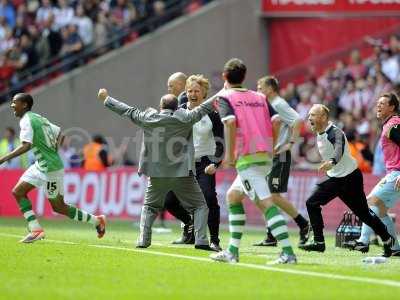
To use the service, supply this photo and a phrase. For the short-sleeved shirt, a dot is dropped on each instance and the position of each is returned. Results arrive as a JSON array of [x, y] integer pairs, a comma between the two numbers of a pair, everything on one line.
[[227, 112], [42, 135], [26, 133], [288, 116]]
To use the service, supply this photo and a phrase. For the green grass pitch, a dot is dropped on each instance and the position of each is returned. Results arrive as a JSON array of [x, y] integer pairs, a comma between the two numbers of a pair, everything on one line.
[[71, 263]]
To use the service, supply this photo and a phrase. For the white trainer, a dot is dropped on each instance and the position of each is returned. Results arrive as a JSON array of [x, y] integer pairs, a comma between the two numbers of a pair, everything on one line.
[[33, 236], [225, 256], [284, 259]]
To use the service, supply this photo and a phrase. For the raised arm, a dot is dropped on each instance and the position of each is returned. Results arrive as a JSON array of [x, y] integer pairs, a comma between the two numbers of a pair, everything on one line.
[[134, 114], [205, 108]]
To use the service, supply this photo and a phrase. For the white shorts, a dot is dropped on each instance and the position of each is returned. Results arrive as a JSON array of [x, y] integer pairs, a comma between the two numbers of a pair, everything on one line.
[[253, 182], [52, 181]]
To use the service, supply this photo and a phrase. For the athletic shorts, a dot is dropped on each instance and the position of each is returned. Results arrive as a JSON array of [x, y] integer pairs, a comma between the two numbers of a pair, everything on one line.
[[52, 181], [253, 182], [278, 179], [385, 191]]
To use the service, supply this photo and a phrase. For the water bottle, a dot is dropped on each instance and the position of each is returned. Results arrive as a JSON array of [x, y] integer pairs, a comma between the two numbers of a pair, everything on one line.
[[374, 260]]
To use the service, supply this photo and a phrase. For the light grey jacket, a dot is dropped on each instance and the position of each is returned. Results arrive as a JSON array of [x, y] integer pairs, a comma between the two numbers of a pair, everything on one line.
[[167, 148]]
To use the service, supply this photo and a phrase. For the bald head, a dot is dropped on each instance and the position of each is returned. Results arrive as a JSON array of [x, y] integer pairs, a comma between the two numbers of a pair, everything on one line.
[[318, 117], [169, 101], [320, 109], [176, 83]]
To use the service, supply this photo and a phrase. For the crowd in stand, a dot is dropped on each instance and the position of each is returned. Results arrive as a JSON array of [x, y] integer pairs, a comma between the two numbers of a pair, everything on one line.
[[350, 89], [35, 32]]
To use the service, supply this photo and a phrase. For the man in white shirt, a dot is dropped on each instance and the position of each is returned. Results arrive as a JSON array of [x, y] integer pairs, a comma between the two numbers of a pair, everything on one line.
[[344, 180]]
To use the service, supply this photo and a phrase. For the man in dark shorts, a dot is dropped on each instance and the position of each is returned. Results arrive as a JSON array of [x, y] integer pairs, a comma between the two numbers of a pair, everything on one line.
[[279, 177]]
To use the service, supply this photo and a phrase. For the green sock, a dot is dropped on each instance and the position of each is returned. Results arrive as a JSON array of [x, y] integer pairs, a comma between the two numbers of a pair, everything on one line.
[[237, 219], [278, 227], [25, 207], [81, 216]]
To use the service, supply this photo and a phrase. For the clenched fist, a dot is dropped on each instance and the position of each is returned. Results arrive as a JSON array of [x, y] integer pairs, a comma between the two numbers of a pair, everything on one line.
[[210, 169], [102, 94]]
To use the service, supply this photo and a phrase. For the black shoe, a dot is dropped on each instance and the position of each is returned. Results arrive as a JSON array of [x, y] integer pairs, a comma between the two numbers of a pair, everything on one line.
[[269, 241], [356, 245], [187, 235], [313, 246], [304, 234], [387, 247], [203, 247], [215, 247], [396, 253], [142, 246]]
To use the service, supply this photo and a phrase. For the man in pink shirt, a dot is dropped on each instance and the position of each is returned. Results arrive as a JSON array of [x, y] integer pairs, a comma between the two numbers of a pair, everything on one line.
[[249, 142], [387, 192]]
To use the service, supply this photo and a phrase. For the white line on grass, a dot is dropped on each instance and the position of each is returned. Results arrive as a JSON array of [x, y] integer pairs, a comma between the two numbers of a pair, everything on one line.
[[47, 240], [377, 281], [261, 267]]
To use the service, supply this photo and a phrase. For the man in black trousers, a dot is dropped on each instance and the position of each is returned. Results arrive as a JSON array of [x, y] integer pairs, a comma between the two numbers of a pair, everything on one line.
[[208, 138], [344, 180]]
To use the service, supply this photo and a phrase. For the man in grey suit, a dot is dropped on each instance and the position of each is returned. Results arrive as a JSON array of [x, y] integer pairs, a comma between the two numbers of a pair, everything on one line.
[[167, 158]]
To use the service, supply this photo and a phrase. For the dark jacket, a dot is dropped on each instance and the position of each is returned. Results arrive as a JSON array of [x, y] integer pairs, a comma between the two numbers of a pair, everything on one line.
[[218, 133]]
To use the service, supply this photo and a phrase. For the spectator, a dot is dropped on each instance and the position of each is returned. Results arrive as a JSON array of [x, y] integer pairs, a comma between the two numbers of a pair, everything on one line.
[[67, 154], [7, 43], [41, 44], [144, 7], [44, 12], [63, 16], [356, 68], [357, 150], [3, 28], [54, 38], [7, 11], [92, 9], [120, 15], [349, 101], [364, 96], [391, 66], [291, 95], [6, 71], [72, 43], [29, 51], [19, 60], [85, 26], [95, 155], [20, 28], [25, 15], [8, 144], [305, 105], [102, 29], [383, 84]]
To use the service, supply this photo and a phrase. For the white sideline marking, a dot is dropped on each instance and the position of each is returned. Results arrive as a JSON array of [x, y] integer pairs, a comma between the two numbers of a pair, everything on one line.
[[45, 239], [386, 282], [261, 267]]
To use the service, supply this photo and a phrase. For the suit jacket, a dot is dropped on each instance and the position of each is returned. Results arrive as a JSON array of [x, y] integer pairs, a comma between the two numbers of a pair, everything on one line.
[[167, 148]]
